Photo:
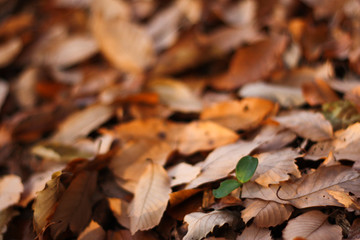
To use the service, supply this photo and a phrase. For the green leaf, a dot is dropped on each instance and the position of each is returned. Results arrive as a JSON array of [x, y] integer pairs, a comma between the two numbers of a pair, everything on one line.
[[226, 187], [245, 168]]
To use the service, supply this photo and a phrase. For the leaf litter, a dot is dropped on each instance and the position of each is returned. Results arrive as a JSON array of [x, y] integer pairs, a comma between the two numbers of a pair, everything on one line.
[[119, 118]]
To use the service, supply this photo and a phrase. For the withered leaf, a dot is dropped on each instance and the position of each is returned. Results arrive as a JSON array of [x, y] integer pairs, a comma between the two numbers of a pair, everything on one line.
[[92, 231], [312, 225], [255, 233], [182, 173], [239, 115], [74, 209], [9, 50], [4, 89], [265, 213], [307, 124], [150, 198], [200, 224], [252, 63], [120, 208], [311, 189]]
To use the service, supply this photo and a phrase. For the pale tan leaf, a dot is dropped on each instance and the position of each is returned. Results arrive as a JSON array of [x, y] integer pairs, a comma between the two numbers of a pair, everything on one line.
[[307, 124], [176, 95], [120, 208], [266, 213], [73, 210], [275, 167], [9, 50], [239, 115], [125, 44], [67, 51], [131, 161], [346, 145], [312, 225], [284, 95], [45, 202], [345, 199], [92, 232], [150, 198], [24, 88], [241, 13], [255, 233], [10, 190], [311, 190], [220, 162], [81, 123], [200, 224], [182, 173], [4, 89]]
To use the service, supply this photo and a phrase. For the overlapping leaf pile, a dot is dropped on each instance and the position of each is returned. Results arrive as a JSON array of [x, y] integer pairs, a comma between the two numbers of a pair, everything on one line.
[[119, 118]]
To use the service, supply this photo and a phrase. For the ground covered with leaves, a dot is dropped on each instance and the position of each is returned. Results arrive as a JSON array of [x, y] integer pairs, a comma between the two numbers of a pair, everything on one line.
[[119, 118]]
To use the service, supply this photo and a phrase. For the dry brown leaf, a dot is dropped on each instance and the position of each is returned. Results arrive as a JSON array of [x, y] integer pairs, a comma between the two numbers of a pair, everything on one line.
[[92, 231], [325, 8], [200, 224], [36, 183], [126, 44], [311, 190], [318, 92], [186, 138], [266, 213], [4, 89], [286, 96], [45, 202], [66, 51], [312, 225], [239, 115], [275, 166], [150, 198], [346, 145], [131, 161], [10, 190], [240, 13], [6, 216], [252, 63], [120, 208], [307, 124], [220, 162], [9, 51], [176, 95], [255, 233], [81, 123], [182, 173], [24, 89], [74, 208]]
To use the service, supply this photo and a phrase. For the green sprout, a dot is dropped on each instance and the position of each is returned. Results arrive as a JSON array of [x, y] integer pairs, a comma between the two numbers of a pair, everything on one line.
[[245, 169]]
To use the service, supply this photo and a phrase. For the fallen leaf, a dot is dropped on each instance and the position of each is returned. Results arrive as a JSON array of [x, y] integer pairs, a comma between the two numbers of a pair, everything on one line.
[[176, 95], [239, 115], [344, 146], [125, 44], [312, 225], [200, 224], [92, 231], [182, 173], [255, 233], [6, 216], [318, 92], [74, 208], [131, 161], [286, 96], [4, 89], [252, 63], [340, 113], [10, 190], [275, 166], [150, 198], [309, 191], [265, 213], [81, 123], [25, 87], [307, 124], [45, 202], [9, 51]]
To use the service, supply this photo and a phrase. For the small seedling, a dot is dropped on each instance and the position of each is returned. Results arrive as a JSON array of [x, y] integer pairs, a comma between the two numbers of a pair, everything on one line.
[[245, 169]]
